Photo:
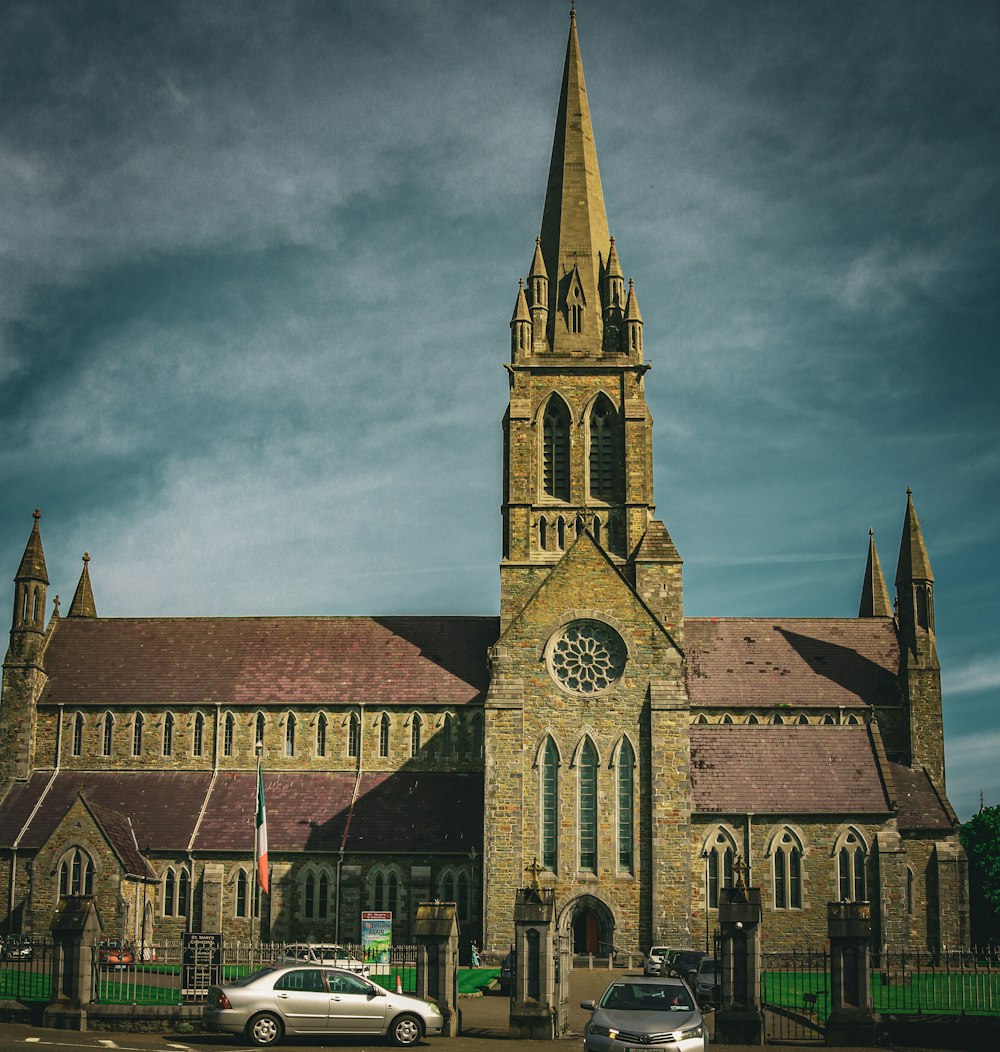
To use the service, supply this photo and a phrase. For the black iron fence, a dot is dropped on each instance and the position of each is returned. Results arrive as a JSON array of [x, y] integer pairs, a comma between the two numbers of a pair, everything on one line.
[[795, 995]]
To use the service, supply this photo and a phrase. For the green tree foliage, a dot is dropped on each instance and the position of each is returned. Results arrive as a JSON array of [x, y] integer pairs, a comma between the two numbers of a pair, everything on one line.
[[981, 840]]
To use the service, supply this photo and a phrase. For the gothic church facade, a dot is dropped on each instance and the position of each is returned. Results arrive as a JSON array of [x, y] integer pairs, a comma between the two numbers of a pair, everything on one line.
[[635, 759]]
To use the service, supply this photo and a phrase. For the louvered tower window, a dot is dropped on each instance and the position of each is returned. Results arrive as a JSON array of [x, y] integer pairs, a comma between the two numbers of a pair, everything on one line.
[[602, 450], [555, 453]]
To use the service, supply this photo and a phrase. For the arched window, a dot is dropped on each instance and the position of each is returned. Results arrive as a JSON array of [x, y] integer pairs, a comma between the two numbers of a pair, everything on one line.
[[290, 735], [309, 896], [776, 719], [378, 892], [354, 736], [626, 807], [787, 864], [752, 719], [323, 895], [701, 718], [321, 735], [168, 735], [385, 891], [415, 726], [587, 768], [76, 873], [555, 449], [462, 896], [198, 737], [602, 450], [169, 892], [560, 533], [851, 866], [109, 734], [828, 720], [721, 855], [852, 720], [383, 735], [183, 893], [258, 732], [803, 720], [137, 730], [242, 897], [550, 804], [727, 718], [78, 734], [448, 887], [909, 891], [447, 736], [476, 736], [543, 534], [228, 732]]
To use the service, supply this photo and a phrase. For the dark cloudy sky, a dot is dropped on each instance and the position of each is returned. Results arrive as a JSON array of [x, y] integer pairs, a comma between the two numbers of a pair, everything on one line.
[[259, 258]]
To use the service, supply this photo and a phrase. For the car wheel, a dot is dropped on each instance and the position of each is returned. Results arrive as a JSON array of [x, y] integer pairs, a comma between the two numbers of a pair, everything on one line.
[[264, 1029], [405, 1031]]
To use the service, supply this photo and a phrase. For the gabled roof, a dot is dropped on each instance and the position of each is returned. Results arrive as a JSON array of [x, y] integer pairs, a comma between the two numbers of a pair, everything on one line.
[[798, 662], [740, 768], [249, 661], [306, 811], [119, 834], [921, 809]]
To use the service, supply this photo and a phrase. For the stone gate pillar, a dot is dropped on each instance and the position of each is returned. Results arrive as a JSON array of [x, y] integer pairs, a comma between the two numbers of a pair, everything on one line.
[[852, 1020], [740, 1018], [435, 931], [534, 1006], [76, 930]]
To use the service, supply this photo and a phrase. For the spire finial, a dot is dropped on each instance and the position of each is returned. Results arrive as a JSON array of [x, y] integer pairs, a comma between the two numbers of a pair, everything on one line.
[[36, 514], [55, 605], [86, 557]]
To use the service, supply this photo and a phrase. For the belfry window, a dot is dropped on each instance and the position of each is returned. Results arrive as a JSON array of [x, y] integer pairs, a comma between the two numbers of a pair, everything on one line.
[[550, 804], [626, 802], [588, 807], [555, 449], [602, 450]]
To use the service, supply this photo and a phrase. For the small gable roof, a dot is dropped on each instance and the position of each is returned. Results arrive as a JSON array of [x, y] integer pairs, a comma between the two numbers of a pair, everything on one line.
[[799, 662], [921, 809], [736, 768], [250, 661], [118, 832]]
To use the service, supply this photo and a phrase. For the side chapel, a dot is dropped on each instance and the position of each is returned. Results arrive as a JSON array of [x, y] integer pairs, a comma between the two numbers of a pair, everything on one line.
[[635, 755]]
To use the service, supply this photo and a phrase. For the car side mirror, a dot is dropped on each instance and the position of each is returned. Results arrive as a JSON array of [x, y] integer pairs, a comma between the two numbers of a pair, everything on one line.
[[589, 1005]]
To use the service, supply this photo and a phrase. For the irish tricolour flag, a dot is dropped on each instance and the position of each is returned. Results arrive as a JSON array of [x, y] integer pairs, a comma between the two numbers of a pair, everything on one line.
[[262, 878]]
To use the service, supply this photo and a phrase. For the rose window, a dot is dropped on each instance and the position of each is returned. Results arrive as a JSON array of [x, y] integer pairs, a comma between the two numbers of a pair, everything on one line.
[[586, 657]]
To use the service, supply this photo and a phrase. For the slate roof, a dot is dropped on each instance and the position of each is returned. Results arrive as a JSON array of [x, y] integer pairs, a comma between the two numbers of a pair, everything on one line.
[[799, 662], [118, 831], [920, 807], [767, 769], [306, 811], [250, 661]]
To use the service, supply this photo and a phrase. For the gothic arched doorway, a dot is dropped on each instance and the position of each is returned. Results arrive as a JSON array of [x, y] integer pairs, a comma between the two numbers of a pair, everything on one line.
[[591, 926]]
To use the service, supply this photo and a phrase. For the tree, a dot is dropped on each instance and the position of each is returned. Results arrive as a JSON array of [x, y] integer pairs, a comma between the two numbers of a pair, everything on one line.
[[981, 840]]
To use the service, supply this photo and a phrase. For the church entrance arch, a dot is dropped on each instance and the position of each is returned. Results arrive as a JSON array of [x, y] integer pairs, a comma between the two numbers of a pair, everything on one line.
[[590, 925]]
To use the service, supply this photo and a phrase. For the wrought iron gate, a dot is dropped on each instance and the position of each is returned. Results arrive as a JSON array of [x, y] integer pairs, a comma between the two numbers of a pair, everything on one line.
[[795, 996]]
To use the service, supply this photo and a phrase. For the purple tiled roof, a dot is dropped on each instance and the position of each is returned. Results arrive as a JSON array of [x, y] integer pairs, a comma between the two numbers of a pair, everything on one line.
[[920, 807], [306, 811], [779, 770], [800, 662], [118, 830], [247, 661]]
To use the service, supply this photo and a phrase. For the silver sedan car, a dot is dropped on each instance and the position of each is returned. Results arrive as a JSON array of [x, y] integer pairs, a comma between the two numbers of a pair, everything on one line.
[[302, 1000], [636, 1013]]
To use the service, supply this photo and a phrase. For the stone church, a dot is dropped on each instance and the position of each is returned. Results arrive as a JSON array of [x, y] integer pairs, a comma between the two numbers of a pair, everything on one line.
[[637, 760]]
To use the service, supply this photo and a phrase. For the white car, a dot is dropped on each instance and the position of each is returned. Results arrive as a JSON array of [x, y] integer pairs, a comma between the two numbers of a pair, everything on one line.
[[327, 955], [654, 960]]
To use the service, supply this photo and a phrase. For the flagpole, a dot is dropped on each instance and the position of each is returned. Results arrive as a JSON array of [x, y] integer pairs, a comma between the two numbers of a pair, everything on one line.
[[255, 901]]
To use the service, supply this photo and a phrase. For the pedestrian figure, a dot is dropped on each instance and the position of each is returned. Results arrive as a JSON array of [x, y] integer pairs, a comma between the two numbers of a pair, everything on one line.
[[475, 955]]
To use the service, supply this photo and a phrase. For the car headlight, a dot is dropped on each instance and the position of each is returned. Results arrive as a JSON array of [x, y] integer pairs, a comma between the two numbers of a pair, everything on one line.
[[602, 1031], [691, 1032], [433, 1009]]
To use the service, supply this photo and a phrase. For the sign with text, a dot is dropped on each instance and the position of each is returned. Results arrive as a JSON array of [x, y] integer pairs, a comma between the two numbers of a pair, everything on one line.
[[201, 965], [376, 935]]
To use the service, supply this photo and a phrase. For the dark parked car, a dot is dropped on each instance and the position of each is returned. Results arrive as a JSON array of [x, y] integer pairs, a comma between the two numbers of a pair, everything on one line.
[[638, 1012], [17, 948], [705, 983], [507, 974], [684, 963]]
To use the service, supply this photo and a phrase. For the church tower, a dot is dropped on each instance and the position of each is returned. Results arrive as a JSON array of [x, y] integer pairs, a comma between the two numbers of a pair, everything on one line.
[[587, 746], [578, 450]]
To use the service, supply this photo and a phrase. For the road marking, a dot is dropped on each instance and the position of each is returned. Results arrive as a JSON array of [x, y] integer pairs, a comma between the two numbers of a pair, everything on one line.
[[108, 1043], [32, 1040]]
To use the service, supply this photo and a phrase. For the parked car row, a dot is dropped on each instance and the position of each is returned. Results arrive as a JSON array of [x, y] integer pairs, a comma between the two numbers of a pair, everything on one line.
[[693, 966]]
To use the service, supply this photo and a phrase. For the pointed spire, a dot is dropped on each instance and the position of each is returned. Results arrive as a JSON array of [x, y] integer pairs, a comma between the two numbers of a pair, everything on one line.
[[521, 312], [83, 598], [614, 267], [574, 222], [874, 594], [538, 263], [913, 564], [32, 566], [632, 312]]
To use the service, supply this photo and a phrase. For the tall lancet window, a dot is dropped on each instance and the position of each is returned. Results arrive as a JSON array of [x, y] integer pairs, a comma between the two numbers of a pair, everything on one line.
[[550, 804], [555, 449], [602, 450], [588, 807], [626, 800]]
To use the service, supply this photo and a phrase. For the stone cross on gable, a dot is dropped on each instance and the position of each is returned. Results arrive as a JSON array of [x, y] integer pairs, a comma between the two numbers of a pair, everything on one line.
[[533, 870]]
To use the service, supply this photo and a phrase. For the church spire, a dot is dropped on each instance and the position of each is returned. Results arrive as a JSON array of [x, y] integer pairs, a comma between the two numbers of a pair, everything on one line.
[[915, 590], [913, 564], [83, 598], [30, 584], [874, 594], [574, 239]]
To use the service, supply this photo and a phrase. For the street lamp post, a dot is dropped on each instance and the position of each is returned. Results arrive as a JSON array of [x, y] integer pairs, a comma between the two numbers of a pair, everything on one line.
[[705, 856]]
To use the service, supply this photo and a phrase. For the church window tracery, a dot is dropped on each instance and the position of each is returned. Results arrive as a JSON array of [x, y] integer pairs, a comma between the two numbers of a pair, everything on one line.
[[555, 449], [587, 777], [787, 867], [852, 857], [586, 657], [384, 890], [76, 873], [602, 450], [316, 894], [550, 804], [721, 855], [626, 805], [176, 892]]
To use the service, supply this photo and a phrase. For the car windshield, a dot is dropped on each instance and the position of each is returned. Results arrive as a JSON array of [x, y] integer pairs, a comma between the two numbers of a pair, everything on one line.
[[707, 968], [647, 997], [657, 951]]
